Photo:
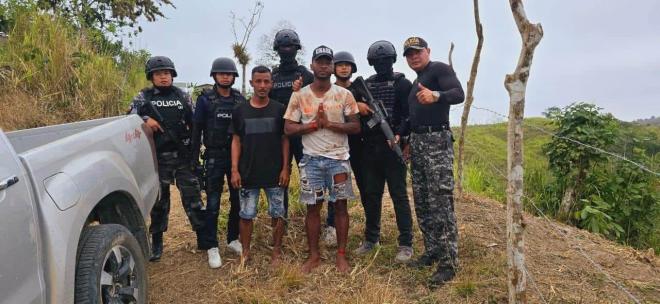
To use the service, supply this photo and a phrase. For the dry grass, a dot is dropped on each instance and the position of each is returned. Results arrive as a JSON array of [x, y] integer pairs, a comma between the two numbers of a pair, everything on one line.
[[561, 274]]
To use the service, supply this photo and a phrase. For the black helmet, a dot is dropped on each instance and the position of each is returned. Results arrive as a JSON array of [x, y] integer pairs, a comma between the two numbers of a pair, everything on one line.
[[345, 57], [224, 65], [157, 63], [381, 49], [286, 37]]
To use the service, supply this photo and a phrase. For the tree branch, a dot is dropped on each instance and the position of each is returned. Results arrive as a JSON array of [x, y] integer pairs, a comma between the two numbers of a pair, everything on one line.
[[470, 96]]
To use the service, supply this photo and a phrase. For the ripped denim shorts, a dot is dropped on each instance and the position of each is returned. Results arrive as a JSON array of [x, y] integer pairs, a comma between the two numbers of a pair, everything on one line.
[[317, 177]]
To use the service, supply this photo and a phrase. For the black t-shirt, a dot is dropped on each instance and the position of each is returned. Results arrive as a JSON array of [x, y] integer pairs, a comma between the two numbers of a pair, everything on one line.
[[436, 76], [261, 131]]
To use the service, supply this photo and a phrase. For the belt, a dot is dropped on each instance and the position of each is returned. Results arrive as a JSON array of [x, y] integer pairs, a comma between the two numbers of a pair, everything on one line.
[[430, 129]]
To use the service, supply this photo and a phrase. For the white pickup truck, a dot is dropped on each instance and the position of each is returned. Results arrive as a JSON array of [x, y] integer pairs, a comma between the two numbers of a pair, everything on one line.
[[74, 204]]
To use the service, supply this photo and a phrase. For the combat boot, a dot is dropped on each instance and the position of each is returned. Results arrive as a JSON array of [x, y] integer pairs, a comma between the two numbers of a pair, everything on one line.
[[441, 276], [156, 246]]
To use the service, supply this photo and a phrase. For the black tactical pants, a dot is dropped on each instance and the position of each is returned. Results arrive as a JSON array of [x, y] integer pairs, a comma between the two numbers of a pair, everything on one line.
[[172, 168], [217, 165], [295, 151], [379, 165]]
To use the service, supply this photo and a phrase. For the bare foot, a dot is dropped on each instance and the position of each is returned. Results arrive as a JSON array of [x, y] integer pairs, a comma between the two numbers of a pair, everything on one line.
[[342, 264], [275, 260], [310, 264], [245, 257]]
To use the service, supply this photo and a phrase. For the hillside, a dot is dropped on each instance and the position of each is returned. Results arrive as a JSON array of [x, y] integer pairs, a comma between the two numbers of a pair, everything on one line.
[[559, 271]]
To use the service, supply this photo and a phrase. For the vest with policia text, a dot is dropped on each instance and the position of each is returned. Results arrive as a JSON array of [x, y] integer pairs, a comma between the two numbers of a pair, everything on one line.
[[385, 91], [173, 108], [283, 79], [218, 119]]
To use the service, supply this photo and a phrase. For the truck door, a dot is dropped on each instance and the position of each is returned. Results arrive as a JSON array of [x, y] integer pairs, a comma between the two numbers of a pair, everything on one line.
[[21, 278]]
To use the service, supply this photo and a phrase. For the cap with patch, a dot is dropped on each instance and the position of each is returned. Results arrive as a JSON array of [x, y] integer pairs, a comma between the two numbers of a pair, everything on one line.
[[416, 43], [322, 51]]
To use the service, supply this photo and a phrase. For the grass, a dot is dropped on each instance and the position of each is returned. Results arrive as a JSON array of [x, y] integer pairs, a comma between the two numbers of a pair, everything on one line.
[[52, 73]]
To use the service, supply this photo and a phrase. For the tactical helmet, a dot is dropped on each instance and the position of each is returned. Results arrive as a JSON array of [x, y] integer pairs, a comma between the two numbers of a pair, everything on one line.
[[286, 37], [223, 65], [157, 63], [381, 49], [346, 57]]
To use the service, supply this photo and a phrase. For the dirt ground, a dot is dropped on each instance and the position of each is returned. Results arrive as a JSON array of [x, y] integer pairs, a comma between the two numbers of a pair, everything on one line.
[[559, 273]]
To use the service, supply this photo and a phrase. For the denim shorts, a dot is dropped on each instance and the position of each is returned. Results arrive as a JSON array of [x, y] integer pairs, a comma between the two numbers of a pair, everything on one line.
[[317, 177], [250, 198]]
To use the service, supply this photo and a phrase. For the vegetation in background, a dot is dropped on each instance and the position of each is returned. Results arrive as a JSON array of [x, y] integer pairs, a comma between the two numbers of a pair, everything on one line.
[[615, 198], [52, 71]]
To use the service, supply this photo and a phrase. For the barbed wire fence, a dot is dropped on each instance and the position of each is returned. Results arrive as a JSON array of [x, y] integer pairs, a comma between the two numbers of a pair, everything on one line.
[[559, 232]]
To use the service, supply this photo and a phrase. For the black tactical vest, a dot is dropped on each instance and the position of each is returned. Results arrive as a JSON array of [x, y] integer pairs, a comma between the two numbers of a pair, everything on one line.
[[173, 108], [218, 119], [385, 91], [283, 82]]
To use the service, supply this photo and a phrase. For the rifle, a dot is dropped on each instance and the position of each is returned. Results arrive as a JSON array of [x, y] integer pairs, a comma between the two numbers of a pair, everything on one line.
[[379, 115]]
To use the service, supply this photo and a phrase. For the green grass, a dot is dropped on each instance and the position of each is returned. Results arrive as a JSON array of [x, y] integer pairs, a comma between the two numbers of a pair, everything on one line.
[[486, 153]]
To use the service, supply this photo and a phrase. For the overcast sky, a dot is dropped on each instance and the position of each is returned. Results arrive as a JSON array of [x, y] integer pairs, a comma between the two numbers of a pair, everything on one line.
[[603, 52]]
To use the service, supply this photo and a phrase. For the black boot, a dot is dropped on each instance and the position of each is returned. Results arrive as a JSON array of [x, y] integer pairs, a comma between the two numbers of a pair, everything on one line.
[[441, 276], [156, 246], [424, 260]]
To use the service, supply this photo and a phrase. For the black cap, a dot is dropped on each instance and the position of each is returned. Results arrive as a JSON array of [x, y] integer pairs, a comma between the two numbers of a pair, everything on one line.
[[414, 42], [322, 51]]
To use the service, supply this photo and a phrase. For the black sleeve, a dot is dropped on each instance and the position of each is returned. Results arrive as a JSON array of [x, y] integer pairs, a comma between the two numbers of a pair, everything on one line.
[[198, 128], [401, 110], [235, 126], [451, 89], [308, 77]]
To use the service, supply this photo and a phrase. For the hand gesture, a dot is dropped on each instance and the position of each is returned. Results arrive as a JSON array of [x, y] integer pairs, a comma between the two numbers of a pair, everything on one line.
[[322, 117], [297, 84], [424, 95]]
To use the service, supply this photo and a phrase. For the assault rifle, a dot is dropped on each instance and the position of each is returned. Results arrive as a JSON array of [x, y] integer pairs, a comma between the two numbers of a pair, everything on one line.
[[379, 115]]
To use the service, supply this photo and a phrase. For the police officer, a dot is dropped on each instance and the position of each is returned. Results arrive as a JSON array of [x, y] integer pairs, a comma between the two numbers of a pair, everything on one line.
[[213, 113], [167, 110], [432, 153], [287, 44], [380, 163]]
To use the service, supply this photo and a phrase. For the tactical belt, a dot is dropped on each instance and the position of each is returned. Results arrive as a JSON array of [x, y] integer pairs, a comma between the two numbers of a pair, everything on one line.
[[430, 129]]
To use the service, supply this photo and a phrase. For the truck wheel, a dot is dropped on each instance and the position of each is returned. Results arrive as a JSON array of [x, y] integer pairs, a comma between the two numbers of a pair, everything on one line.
[[110, 267]]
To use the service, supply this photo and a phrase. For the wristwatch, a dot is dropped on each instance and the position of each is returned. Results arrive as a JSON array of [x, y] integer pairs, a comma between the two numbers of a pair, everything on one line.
[[436, 95]]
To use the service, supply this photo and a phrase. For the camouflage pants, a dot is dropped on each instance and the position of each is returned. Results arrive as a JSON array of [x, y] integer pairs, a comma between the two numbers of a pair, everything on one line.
[[433, 184], [175, 169]]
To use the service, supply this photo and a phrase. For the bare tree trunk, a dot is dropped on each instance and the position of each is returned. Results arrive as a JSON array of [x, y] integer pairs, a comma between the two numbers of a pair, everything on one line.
[[567, 202], [451, 51], [470, 97], [516, 84], [243, 91]]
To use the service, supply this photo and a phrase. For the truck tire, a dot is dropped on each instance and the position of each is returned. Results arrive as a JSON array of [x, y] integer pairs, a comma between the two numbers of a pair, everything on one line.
[[110, 267]]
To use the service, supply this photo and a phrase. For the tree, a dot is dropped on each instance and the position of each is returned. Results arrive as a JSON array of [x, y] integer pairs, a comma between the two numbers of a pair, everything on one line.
[[240, 44], [570, 161], [107, 15], [470, 95], [268, 56], [516, 85]]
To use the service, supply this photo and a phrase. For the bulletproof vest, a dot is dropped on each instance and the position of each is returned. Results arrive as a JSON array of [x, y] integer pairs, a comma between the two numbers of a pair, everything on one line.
[[283, 83], [385, 91], [173, 109], [218, 119]]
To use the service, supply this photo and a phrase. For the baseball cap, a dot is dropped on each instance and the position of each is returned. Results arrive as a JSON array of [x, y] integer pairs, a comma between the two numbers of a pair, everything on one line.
[[414, 42], [322, 51]]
